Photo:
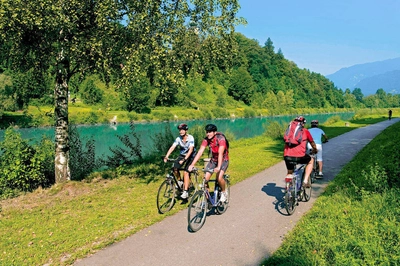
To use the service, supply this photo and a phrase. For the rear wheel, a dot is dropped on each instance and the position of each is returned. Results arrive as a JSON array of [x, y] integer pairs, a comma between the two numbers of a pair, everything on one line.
[[197, 211], [166, 196], [290, 199], [307, 193], [314, 173], [223, 206]]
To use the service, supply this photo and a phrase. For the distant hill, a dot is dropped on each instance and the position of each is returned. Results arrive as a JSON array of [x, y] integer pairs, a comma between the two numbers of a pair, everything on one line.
[[370, 77]]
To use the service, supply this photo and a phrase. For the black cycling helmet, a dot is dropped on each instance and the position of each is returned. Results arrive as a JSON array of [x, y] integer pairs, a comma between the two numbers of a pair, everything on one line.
[[211, 127], [301, 119], [183, 126], [314, 123]]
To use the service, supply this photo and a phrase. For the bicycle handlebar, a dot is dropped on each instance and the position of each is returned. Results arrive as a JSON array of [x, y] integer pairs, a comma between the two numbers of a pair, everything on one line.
[[168, 159]]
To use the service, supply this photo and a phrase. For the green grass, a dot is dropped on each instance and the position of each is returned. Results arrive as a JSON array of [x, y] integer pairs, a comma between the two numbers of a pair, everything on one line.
[[70, 221], [356, 220]]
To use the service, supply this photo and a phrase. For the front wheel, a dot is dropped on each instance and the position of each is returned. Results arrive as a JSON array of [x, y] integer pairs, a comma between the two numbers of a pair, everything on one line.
[[166, 196], [197, 211], [223, 206]]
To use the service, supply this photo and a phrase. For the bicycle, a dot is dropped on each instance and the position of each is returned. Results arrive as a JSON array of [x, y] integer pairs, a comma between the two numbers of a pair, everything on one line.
[[170, 189], [203, 201], [295, 191], [315, 172]]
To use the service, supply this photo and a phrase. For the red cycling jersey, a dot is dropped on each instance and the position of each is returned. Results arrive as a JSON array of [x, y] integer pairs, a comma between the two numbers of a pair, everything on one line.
[[299, 150], [214, 145]]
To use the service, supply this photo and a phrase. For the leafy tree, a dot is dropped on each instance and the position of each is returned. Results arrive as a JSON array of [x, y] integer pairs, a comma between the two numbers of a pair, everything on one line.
[[90, 93], [241, 86], [358, 94], [69, 37], [137, 95]]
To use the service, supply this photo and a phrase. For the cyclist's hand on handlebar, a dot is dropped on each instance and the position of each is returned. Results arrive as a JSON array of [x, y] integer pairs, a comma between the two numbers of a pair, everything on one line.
[[314, 151], [191, 168]]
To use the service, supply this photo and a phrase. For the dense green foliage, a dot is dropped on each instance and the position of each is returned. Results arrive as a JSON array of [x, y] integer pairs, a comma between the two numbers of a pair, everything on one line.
[[356, 220], [24, 167]]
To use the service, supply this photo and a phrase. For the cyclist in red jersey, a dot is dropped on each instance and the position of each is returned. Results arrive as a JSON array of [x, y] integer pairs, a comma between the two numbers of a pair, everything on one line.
[[299, 154], [219, 161]]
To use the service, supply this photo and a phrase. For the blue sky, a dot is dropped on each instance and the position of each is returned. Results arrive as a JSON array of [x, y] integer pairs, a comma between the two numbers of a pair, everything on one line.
[[325, 36]]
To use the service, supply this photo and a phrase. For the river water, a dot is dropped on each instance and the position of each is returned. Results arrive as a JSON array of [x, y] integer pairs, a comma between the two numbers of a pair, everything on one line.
[[105, 136]]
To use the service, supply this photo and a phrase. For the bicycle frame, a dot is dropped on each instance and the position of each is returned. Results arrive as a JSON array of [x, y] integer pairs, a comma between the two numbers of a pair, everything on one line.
[[170, 189], [213, 199], [203, 201], [171, 174], [297, 178]]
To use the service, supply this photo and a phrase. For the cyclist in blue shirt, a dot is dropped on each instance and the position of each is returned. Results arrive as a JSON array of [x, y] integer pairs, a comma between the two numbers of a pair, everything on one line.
[[186, 155], [317, 135]]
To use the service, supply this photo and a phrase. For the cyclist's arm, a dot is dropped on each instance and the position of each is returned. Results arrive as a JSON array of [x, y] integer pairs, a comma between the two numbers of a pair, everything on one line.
[[314, 147], [189, 153], [171, 149], [197, 157]]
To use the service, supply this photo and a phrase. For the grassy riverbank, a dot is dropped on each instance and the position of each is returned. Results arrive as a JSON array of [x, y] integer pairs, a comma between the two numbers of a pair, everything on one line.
[[72, 220]]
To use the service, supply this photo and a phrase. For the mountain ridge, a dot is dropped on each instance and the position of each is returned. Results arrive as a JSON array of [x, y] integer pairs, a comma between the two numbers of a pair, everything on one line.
[[369, 77]]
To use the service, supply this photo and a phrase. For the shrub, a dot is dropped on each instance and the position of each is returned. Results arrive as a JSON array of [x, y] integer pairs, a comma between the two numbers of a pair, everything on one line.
[[249, 112], [275, 130], [163, 115], [23, 167], [332, 120], [90, 93], [130, 153], [220, 112], [82, 158], [163, 140]]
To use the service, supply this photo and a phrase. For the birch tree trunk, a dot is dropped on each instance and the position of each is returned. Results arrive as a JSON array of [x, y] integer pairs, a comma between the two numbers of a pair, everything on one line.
[[62, 171]]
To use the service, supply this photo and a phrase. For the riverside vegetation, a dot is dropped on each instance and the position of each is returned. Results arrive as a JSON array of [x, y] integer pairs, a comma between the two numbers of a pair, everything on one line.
[[80, 217]]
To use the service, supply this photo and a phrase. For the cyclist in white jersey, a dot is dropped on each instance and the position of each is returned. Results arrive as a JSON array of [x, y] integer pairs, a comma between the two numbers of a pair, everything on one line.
[[186, 155], [317, 135]]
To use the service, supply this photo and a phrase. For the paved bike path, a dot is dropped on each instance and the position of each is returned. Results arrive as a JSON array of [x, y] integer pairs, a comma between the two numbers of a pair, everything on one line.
[[251, 229]]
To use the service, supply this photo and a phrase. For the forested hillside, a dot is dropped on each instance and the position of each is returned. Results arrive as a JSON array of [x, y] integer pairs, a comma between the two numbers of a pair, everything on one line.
[[259, 78]]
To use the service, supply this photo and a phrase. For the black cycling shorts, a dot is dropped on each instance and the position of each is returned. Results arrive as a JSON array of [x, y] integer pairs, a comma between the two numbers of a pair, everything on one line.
[[292, 161]]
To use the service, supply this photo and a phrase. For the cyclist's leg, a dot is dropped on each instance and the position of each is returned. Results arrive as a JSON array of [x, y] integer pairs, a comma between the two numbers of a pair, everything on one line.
[[319, 158], [220, 175], [178, 166], [307, 159], [289, 164], [186, 174]]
